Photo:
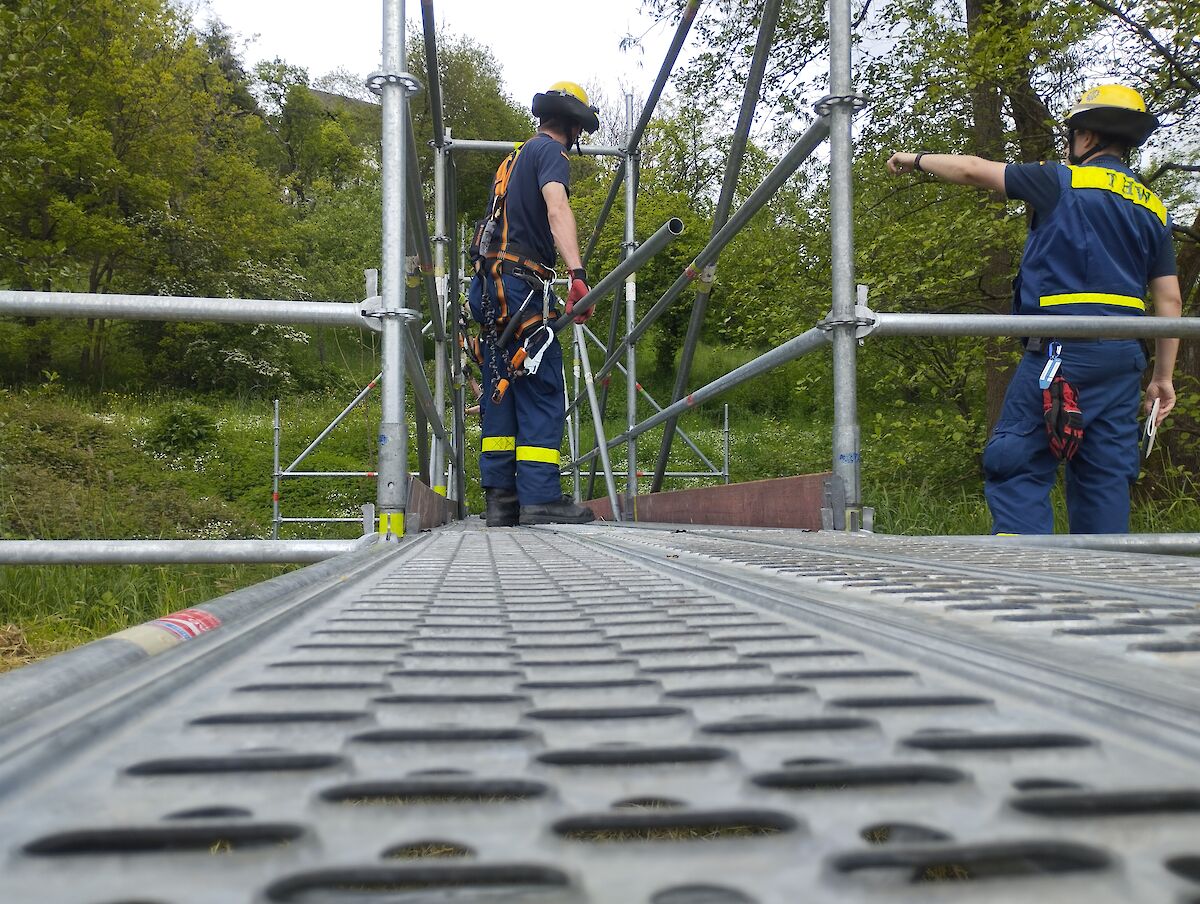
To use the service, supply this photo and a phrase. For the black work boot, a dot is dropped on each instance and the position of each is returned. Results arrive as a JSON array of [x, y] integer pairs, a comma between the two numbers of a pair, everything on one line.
[[564, 511], [502, 509]]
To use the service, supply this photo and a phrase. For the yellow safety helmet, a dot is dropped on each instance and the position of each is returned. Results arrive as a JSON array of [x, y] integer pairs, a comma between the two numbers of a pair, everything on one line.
[[570, 101], [1116, 110]]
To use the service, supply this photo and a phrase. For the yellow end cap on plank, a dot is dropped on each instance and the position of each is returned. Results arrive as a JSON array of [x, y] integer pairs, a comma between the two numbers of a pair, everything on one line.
[[441, 491]]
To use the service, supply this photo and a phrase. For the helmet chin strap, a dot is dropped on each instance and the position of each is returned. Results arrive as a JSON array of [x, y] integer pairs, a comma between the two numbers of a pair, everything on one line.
[[1080, 159]]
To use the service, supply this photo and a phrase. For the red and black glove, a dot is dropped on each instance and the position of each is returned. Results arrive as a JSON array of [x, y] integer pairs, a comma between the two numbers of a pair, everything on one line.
[[1064, 420], [579, 288]]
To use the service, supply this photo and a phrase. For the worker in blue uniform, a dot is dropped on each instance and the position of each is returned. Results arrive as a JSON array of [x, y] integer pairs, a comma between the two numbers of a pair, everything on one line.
[[529, 216], [1099, 240]]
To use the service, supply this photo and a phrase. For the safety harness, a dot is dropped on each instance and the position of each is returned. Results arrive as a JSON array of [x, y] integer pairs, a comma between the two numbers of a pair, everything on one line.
[[493, 255]]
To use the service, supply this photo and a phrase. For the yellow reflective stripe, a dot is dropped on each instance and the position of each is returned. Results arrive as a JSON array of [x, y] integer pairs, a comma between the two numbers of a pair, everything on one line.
[[1123, 301], [392, 524], [441, 491], [538, 453], [1118, 183], [499, 443]]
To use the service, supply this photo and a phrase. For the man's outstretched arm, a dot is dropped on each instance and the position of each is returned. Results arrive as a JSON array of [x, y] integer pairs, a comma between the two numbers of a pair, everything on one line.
[[957, 168]]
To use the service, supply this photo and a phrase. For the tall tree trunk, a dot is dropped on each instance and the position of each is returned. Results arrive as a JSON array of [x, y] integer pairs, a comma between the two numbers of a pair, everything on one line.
[[994, 283]]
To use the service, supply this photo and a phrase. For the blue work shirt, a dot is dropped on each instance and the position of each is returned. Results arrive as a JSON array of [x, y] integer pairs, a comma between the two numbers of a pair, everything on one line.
[[1097, 239], [542, 160]]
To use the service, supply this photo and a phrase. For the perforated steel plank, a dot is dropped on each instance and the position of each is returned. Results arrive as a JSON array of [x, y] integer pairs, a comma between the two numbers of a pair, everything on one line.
[[586, 715]]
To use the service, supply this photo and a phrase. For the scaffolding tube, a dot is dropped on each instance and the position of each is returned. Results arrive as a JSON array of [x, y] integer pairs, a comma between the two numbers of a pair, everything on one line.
[[332, 424], [630, 246], [290, 474], [847, 457], [438, 461], [635, 137], [614, 321], [782, 171], [392, 489], [421, 394], [174, 552], [733, 169], [1048, 326], [1159, 544], [419, 227], [789, 351], [459, 400], [704, 459], [432, 73], [666, 233], [162, 307], [602, 446], [588, 150]]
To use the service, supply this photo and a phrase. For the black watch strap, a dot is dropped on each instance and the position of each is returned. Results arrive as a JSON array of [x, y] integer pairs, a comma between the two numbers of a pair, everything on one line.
[[917, 162]]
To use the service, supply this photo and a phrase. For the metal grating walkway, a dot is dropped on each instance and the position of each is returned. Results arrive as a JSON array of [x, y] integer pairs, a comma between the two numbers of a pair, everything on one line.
[[710, 716]]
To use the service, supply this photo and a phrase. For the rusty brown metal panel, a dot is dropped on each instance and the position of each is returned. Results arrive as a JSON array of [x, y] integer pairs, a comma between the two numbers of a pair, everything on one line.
[[426, 509], [780, 502]]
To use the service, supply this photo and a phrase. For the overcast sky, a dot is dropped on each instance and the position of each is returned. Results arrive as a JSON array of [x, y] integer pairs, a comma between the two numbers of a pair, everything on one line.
[[538, 42]]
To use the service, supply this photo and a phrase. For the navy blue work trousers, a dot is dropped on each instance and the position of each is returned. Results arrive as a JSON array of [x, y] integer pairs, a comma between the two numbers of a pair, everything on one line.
[[1019, 468], [522, 435]]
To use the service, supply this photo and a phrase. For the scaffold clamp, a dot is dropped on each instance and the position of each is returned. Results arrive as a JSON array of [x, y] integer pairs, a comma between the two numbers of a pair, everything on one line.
[[377, 80], [864, 322], [372, 309], [825, 105]]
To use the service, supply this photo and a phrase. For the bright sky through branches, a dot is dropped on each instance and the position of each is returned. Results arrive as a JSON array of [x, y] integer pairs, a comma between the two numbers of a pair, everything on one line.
[[537, 42]]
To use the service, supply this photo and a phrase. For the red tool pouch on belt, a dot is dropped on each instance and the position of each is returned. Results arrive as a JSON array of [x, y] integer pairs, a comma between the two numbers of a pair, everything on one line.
[[1064, 420]]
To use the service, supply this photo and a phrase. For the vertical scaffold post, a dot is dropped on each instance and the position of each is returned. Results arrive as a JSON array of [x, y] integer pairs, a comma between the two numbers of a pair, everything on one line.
[[458, 376], [630, 245], [725, 446], [846, 451], [441, 352], [275, 481], [393, 82]]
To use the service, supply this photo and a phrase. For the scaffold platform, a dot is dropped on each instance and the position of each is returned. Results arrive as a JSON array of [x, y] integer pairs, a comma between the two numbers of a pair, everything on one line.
[[640, 713]]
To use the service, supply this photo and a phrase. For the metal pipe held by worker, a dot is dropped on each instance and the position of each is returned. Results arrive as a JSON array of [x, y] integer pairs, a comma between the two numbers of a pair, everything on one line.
[[667, 232], [781, 172]]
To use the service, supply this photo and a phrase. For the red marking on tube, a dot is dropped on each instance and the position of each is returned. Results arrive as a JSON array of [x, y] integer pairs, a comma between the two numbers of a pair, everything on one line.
[[638, 385], [690, 400], [690, 272], [371, 385], [606, 381], [274, 497], [372, 474], [187, 623]]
